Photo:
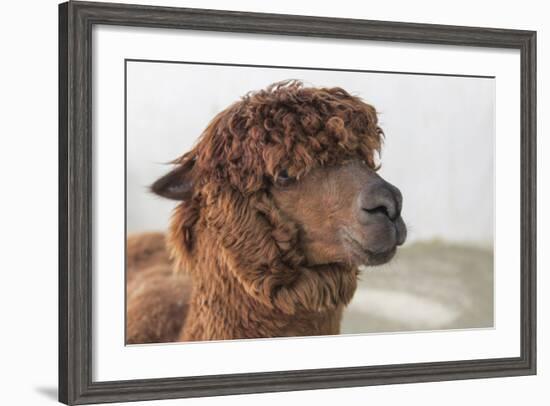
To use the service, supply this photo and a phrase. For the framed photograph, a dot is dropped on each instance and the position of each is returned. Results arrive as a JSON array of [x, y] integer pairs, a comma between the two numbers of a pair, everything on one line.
[[257, 202]]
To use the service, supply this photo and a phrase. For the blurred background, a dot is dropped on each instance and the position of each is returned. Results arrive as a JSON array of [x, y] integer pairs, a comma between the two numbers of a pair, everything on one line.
[[438, 150]]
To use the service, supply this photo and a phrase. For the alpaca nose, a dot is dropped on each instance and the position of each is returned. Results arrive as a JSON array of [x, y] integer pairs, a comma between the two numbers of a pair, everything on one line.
[[378, 199]]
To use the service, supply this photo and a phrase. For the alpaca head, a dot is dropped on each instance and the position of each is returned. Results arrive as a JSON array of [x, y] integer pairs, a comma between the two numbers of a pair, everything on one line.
[[283, 184]]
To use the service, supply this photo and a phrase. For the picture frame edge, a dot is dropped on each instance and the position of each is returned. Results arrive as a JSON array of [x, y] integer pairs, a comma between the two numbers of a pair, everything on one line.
[[76, 20]]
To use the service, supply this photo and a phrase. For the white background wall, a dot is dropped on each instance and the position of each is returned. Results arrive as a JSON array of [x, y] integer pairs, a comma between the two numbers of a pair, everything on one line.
[[438, 148], [28, 294]]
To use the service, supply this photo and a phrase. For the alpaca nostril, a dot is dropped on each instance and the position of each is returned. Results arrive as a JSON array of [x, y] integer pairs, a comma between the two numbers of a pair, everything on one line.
[[380, 199], [380, 209], [388, 210]]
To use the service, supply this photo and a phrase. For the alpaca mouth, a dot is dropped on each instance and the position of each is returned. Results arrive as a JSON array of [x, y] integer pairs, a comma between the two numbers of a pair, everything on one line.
[[361, 255]]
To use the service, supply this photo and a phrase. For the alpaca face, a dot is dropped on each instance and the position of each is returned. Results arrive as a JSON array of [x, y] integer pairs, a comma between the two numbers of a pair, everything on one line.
[[346, 214]]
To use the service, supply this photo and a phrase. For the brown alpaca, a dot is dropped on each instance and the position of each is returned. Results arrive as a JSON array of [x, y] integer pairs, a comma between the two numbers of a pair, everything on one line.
[[279, 205]]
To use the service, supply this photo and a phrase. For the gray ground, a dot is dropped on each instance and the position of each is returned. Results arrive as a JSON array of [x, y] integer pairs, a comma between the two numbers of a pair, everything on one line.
[[428, 286]]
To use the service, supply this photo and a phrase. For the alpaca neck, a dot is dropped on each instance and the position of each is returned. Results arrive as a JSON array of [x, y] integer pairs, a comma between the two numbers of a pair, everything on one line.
[[220, 309]]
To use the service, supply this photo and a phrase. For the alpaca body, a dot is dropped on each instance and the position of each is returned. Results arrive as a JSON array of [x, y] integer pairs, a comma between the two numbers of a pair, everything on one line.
[[166, 306]]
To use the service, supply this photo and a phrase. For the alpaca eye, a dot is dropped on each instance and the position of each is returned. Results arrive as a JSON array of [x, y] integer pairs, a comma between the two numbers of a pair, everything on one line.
[[283, 178], [283, 175]]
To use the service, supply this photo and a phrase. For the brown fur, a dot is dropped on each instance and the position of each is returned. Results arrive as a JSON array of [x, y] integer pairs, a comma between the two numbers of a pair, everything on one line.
[[157, 298], [235, 231]]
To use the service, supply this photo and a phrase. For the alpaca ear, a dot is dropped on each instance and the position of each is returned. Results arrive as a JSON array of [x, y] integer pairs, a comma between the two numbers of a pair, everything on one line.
[[177, 184]]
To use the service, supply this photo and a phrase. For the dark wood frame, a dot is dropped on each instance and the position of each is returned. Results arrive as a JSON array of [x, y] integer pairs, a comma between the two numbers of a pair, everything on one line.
[[76, 20]]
